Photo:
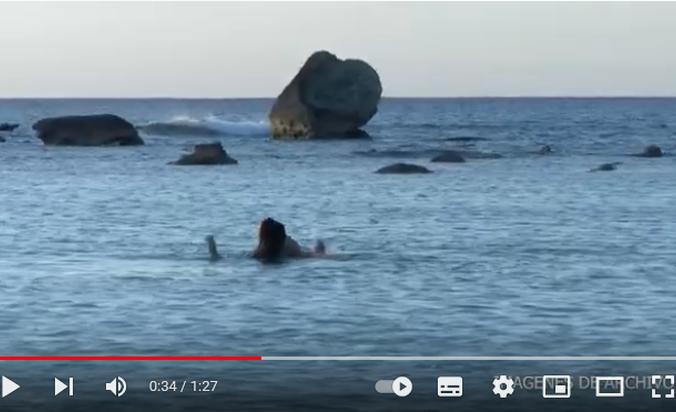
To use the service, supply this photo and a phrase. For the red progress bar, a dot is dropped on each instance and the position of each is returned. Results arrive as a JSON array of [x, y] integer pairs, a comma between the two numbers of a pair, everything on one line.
[[131, 358]]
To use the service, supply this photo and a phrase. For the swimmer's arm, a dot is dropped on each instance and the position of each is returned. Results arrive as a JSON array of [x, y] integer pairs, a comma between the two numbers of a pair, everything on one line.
[[294, 250], [213, 250], [320, 248]]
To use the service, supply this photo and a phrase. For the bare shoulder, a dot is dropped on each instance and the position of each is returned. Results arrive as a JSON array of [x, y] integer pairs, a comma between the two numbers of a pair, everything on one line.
[[292, 248]]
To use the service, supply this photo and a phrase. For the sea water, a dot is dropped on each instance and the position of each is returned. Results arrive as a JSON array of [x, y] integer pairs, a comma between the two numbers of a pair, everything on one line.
[[102, 249]]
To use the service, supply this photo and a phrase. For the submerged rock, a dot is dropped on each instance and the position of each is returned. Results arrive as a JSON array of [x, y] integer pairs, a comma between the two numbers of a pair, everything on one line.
[[403, 168], [328, 98], [206, 155], [606, 167], [2, 139], [449, 157], [8, 127], [651, 151], [92, 130], [178, 129]]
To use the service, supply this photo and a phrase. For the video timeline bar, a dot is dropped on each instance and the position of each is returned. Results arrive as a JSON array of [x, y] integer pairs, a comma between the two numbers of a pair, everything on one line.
[[125, 358], [151, 358]]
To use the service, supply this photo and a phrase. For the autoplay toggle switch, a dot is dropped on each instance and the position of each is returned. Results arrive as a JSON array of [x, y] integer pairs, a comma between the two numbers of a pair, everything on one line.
[[401, 386]]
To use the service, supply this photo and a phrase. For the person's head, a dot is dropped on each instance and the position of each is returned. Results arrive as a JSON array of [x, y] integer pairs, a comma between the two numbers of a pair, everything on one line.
[[271, 239]]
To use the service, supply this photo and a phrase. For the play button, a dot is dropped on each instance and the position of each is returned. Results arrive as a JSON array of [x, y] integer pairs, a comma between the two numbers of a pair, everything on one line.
[[402, 386], [8, 386]]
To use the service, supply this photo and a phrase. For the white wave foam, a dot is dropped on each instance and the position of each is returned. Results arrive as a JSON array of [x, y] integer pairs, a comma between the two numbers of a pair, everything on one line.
[[227, 127]]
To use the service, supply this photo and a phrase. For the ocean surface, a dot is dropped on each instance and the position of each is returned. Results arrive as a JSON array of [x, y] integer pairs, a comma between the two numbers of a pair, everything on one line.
[[102, 249]]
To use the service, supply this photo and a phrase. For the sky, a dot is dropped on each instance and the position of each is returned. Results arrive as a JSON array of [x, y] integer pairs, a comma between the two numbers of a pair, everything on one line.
[[420, 49]]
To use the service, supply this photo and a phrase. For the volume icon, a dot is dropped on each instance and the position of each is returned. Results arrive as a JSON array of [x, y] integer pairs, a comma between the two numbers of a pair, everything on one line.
[[60, 386], [117, 386]]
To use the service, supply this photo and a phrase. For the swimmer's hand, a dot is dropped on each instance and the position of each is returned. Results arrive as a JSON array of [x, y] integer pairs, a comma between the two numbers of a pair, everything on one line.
[[213, 250], [320, 248]]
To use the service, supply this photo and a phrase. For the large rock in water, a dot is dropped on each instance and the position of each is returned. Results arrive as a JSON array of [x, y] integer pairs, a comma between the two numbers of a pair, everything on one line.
[[92, 130], [329, 98], [206, 154]]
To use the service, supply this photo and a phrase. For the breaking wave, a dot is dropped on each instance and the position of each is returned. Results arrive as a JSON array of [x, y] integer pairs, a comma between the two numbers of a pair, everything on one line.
[[208, 126]]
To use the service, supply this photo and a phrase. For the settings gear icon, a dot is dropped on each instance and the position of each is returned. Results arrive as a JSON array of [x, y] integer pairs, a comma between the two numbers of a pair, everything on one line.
[[503, 386]]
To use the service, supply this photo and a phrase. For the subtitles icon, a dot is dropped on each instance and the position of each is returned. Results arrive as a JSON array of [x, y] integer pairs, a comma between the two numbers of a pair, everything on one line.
[[610, 386], [449, 386], [660, 383], [556, 386]]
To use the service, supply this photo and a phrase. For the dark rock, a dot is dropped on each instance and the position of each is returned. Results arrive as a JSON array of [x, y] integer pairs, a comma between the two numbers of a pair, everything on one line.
[[606, 167], [403, 168], [206, 154], [2, 139], [328, 98], [92, 130], [449, 157], [651, 151], [8, 127], [179, 129]]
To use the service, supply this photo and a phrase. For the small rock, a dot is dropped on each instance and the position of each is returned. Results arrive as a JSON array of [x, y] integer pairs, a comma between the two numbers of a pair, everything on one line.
[[206, 154], [651, 151], [403, 168], [449, 157], [8, 127], [606, 167]]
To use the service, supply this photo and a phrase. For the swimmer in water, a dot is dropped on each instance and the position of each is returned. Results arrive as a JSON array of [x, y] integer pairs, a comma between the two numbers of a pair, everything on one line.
[[273, 244]]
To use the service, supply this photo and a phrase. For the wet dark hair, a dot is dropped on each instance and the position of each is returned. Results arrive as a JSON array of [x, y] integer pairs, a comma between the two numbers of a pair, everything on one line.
[[271, 240]]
